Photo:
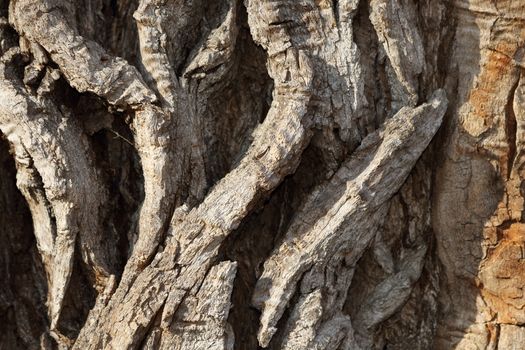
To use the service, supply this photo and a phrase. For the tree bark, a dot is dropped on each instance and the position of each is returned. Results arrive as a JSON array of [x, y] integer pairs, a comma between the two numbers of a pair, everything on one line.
[[284, 174]]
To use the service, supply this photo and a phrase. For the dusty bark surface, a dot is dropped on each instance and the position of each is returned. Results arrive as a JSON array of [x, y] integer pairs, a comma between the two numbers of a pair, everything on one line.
[[248, 174]]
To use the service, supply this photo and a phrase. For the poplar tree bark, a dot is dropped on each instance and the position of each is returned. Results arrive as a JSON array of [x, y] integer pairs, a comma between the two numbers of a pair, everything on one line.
[[249, 174]]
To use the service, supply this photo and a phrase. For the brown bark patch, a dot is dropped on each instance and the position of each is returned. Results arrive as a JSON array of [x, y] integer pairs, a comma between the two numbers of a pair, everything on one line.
[[503, 276], [482, 96]]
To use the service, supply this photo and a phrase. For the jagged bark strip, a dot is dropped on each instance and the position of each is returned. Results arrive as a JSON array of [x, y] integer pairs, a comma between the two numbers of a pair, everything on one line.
[[153, 40], [388, 296], [201, 322], [213, 57], [371, 176], [307, 315], [69, 197], [395, 23], [198, 235], [160, 25], [167, 30], [316, 321], [347, 99], [30, 184], [153, 140], [84, 63], [88, 67], [391, 293], [163, 26], [336, 333], [184, 96]]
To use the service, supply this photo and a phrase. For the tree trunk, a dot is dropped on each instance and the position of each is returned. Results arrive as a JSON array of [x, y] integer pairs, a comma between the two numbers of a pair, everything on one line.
[[281, 174]]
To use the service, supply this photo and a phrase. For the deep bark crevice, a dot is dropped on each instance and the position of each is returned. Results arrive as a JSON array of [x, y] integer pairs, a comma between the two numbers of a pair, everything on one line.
[[24, 288]]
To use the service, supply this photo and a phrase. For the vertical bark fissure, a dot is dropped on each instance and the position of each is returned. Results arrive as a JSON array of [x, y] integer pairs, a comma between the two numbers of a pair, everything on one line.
[[511, 127]]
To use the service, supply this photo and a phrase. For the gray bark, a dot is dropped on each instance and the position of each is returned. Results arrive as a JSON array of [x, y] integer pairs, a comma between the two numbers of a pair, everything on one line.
[[261, 174]]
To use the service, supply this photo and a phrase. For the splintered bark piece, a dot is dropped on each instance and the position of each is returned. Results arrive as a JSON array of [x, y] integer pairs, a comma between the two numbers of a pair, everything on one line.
[[395, 24], [339, 213]]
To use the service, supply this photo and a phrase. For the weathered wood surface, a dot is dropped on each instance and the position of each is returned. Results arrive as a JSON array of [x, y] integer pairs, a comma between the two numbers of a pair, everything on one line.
[[257, 174]]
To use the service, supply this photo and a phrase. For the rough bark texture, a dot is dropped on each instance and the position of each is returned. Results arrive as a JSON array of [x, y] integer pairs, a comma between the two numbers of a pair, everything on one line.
[[245, 174]]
